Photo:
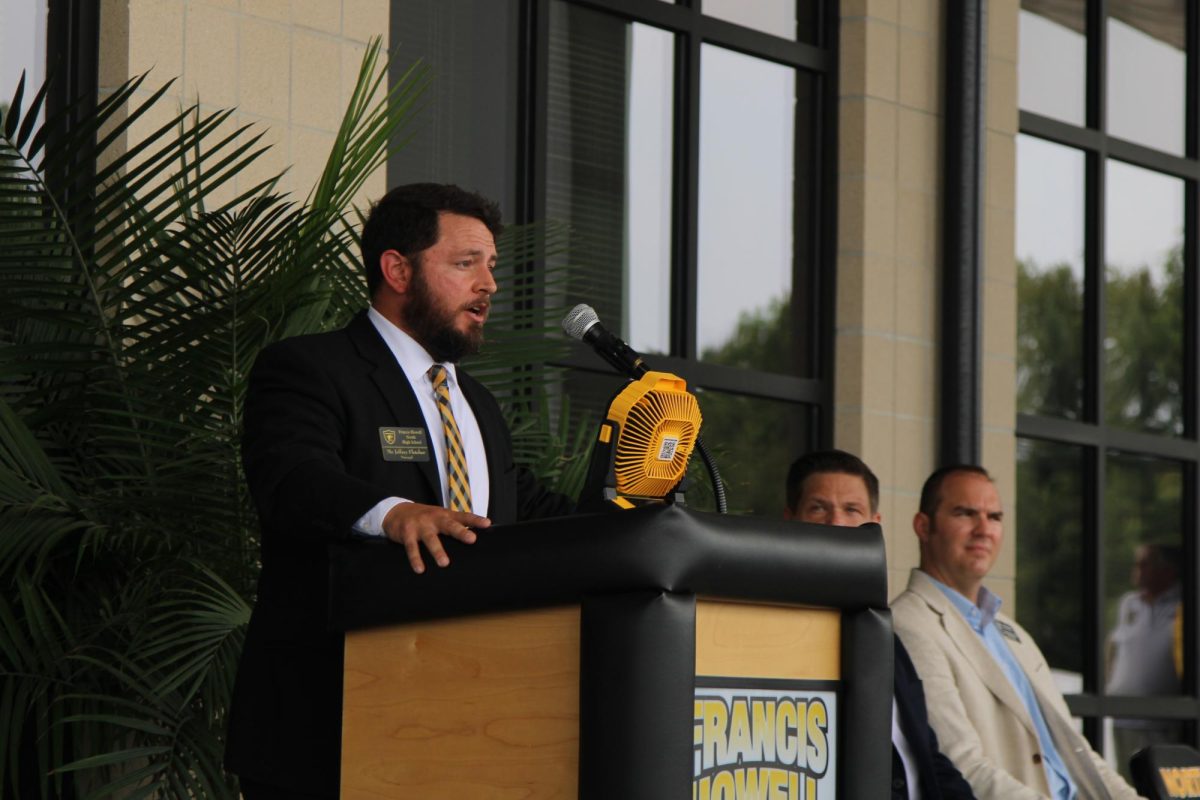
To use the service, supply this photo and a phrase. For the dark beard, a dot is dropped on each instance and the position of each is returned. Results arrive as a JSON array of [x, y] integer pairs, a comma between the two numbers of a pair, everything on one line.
[[434, 328]]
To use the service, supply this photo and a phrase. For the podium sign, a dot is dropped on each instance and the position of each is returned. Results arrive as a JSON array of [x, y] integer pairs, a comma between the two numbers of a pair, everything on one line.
[[766, 711]]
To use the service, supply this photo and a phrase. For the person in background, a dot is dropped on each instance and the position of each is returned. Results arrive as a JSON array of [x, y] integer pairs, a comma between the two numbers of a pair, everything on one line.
[[1140, 652]]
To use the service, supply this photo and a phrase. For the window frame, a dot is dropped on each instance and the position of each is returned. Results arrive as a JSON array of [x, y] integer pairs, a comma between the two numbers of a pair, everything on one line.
[[815, 133], [1097, 438]]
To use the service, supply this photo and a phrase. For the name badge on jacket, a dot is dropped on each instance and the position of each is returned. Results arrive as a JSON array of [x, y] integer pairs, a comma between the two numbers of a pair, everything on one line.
[[403, 444], [1007, 631]]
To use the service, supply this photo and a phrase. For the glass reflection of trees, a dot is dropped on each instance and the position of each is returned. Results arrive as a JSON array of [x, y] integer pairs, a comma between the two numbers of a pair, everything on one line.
[[1143, 344], [1143, 347], [1049, 340], [1142, 389], [752, 440], [1049, 550]]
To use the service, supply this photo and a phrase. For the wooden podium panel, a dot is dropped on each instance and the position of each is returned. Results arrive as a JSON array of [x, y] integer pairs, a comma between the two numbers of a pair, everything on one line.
[[483, 707], [743, 640]]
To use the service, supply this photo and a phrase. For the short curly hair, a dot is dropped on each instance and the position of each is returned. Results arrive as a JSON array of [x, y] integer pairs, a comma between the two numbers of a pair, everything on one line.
[[406, 220]]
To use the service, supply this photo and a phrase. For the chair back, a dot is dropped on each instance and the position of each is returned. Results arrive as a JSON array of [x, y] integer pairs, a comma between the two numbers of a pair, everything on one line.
[[1166, 772]]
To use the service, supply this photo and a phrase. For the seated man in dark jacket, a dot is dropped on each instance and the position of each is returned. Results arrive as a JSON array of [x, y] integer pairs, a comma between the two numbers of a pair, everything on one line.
[[833, 487]]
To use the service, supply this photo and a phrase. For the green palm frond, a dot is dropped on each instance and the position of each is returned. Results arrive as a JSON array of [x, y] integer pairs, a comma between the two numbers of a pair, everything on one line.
[[524, 336], [132, 305]]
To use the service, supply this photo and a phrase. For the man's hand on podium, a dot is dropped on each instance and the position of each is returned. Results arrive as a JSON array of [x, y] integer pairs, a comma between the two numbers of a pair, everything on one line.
[[414, 524]]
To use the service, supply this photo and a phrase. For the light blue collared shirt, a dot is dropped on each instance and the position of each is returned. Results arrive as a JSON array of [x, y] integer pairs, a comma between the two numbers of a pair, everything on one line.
[[982, 619]]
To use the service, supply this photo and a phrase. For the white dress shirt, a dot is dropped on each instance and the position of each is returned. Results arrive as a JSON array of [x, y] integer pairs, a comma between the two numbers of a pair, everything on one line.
[[415, 362]]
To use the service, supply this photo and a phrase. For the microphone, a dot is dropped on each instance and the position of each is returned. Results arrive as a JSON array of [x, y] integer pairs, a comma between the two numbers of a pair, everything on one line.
[[582, 323]]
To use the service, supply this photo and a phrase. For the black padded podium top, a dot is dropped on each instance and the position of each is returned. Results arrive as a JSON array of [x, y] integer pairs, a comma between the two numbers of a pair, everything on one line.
[[559, 561]]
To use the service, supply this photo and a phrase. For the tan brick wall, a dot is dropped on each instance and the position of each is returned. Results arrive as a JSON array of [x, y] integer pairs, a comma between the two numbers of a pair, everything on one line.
[[1000, 281], [886, 331], [886, 369], [287, 66]]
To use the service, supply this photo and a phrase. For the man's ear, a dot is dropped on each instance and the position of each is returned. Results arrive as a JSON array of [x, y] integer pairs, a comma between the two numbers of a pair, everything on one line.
[[788, 513], [397, 271], [921, 525]]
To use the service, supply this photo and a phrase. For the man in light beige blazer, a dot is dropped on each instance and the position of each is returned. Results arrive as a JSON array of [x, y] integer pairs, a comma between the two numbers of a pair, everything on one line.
[[991, 698]]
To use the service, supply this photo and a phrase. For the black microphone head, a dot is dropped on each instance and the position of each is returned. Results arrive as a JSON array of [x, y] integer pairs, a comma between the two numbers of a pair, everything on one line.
[[579, 320]]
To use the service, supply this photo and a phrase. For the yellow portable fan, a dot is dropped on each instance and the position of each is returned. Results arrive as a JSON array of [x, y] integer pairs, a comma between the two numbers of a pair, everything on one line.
[[644, 444]]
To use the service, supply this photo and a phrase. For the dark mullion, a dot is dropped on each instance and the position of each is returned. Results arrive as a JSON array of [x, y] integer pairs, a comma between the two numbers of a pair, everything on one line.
[[1093, 288], [1089, 435], [828, 16], [672, 17], [961, 236], [808, 205], [1191, 228], [825, 267], [72, 56], [1060, 132], [1191, 309], [1094, 321], [1093, 141], [1191, 471], [1095, 182], [1162, 707], [732, 380], [1191, 377], [763, 45], [1156, 160], [1191, 123], [72, 70], [1097, 38], [1093, 583], [686, 196], [1191, 571], [691, 20], [531, 103]]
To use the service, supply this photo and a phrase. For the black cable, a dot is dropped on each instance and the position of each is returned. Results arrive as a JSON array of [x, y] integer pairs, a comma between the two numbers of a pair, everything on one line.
[[714, 475]]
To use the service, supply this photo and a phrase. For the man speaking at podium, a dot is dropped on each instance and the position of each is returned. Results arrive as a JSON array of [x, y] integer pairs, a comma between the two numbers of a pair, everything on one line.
[[370, 430]]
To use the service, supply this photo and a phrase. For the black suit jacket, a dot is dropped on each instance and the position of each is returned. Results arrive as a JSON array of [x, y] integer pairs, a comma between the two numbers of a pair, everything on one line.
[[939, 777], [314, 465]]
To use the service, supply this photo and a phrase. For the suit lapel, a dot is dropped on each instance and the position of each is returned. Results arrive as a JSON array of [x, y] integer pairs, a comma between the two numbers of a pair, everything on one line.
[[970, 645], [393, 385]]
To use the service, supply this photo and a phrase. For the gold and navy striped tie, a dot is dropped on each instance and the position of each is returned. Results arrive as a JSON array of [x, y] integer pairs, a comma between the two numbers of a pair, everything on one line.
[[457, 482]]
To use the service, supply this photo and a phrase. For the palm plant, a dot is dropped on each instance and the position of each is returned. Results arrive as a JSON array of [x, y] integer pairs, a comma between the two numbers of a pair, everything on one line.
[[130, 314]]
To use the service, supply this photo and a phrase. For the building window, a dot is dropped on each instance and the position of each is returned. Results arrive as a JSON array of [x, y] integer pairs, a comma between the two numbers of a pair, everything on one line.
[[690, 152], [22, 47], [1107, 454]]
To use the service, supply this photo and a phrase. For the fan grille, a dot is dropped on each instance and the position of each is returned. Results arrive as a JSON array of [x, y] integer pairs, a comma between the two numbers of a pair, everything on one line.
[[656, 439]]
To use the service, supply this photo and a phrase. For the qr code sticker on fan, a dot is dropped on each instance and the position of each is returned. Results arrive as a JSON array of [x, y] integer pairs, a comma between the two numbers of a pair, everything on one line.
[[666, 450]]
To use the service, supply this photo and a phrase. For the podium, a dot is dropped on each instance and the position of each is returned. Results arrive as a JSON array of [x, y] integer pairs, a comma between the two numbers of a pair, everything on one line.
[[649, 653]]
